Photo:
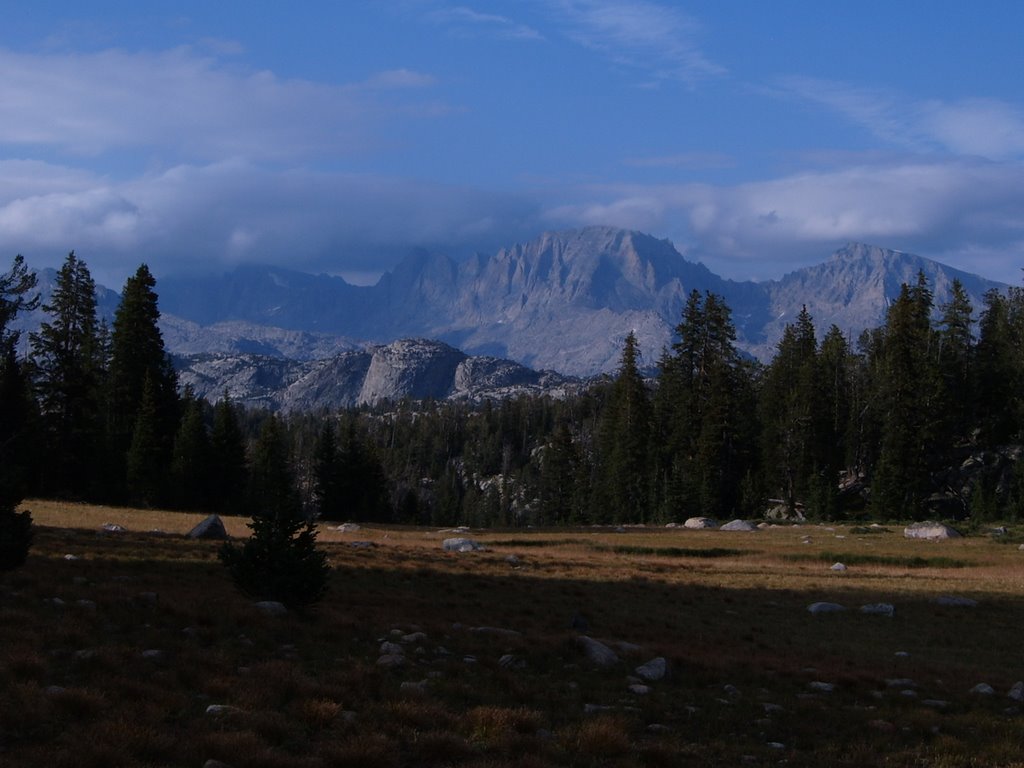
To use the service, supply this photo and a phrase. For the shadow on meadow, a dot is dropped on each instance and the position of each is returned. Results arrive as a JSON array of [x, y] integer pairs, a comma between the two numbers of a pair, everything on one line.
[[114, 658]]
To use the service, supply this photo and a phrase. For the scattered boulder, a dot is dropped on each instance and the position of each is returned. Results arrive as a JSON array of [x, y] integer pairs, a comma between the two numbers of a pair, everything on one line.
[[462, 545], [838, 567], [700, 523], [271, 608], [348, 528], [982, 689], [639, 689], [222, 709], [362, 544], [112, 528], [597, 653], [390, 660], [821, 687], [878, 609], [739, 525], [211, 527], [930, 530], [653, 670], [387, 647], [954, 601], [1017, 691], [823, 607], [498, 631]]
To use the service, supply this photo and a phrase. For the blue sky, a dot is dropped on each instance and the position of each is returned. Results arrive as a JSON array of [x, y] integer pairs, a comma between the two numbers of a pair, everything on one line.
[[335, 136]]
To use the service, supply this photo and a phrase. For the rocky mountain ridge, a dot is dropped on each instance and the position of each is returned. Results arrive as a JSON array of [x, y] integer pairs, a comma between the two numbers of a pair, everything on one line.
[[564, 301]]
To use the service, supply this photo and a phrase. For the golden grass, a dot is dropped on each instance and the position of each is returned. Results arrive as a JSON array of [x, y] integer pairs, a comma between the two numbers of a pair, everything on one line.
[[307, 690]]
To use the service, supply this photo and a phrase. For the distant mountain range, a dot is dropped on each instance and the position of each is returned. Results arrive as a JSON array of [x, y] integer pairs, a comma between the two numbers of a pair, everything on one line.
[[562, 302]]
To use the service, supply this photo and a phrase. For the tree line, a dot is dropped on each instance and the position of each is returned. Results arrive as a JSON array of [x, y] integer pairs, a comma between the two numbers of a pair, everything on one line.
[[920, 416]]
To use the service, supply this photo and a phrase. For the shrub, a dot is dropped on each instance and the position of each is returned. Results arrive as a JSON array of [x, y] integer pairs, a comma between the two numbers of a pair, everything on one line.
[[279, 562], [15, 537]]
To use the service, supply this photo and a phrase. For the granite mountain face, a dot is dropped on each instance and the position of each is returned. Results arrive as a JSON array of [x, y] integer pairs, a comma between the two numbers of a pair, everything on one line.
[[564, 301]]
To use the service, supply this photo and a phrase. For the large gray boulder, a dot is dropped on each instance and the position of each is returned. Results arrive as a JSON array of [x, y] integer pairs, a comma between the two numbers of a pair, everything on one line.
[[930, 530], [739, 525], [700, 523], [462, 545], [210, 528]]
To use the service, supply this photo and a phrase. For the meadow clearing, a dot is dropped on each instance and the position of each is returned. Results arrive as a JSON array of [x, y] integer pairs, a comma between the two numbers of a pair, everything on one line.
[[133, 648]]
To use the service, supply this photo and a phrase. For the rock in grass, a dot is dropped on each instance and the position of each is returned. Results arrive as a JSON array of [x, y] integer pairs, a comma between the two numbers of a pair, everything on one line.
[[953, 601], [462, 545], [217, 710], [700, 523], [738, 525], [838, 567], [1017, 691], [878, 609], [823, 607], [821, 687], [653, 670], [271, 608], [212, 527], [982, 689], [930, 530], [597, 653], [112, 528]]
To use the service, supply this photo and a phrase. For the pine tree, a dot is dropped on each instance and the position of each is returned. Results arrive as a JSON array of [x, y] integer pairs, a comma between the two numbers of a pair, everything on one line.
[[326, 467], [271, 482], [907, 398], [624, 444], [16, 407], [228, 472], [68, 367], [559, 470], [955, 365], [191, 459], [145, 462], [137, 354]]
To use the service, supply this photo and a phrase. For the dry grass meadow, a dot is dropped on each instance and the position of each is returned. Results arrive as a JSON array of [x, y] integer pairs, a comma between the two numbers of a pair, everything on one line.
[[115, 647]]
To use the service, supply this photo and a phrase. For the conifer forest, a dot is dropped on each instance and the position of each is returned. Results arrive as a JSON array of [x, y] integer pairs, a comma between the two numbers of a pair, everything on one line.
[[920, 417]]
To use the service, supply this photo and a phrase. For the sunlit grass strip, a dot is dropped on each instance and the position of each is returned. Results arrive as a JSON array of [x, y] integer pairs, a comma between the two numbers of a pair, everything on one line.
[[711, 552]]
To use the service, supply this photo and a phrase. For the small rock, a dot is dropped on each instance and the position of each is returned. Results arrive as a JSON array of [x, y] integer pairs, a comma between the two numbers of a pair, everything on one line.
[[513, 560], [878, 609], [216, 764], [362, 544], [902, 654], [509, 661], [597, 652], [391, 660], [639, 689], [700, 523], [731, 690], [900, 682], [596, 709], [838, 567], [658, 728], [822, 607], [222, 709], [776, 745], [1017, 691], [498, 631], [54, 690], [982, 689], [112, 528], [72, 558], [154, 654], [955, 601], [821, 687], [653, 670], [389, 648], [414, 637], [271, 608], [87, 605], [771, 709], [415, 689], [348, 528]]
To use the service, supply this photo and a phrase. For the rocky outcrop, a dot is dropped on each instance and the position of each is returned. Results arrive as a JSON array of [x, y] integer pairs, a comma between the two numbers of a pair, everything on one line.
[[410, 368]]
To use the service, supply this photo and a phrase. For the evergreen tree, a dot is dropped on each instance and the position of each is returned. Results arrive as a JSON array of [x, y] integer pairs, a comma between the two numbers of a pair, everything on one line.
[[145, 462], [955, 364], [999, 374], [67, 365], [16, 408], [271, 482], [192, 458], [326, 468], [559, 472], [228, 472], [137, 354], [792, 414], [907, 398], [835, 364], [624, 468]]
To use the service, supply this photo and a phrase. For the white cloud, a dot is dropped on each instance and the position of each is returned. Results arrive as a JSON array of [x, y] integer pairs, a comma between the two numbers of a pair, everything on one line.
[[466, 21], [652, 37], [950, 208], [187, 106], [979, 127]]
